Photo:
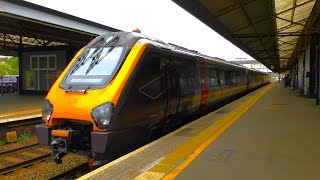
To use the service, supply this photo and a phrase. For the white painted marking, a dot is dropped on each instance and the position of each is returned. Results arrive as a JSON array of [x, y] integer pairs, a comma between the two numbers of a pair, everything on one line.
[[151, 165]]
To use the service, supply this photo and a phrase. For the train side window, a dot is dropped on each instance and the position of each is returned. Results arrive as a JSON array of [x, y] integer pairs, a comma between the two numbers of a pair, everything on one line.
[[228, 77], [244, 77], [152, 90], [237, 78], [251, 77], [187, 74], [234, 78], [222, 79], [151, 80], [213, 77]]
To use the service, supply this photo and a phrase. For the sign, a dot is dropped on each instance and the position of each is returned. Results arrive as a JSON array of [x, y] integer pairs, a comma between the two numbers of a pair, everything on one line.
[[30, 80]]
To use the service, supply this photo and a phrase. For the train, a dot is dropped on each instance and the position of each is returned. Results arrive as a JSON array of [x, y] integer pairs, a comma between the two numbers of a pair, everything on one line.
[[124, 87]]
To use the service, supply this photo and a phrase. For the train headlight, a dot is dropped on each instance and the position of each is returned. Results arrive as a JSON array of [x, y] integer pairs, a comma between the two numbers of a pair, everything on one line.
[[102, 114], [47, 109]]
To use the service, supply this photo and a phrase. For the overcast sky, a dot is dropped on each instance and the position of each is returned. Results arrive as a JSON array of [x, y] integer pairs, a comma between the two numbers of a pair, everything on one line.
[[161, 19]]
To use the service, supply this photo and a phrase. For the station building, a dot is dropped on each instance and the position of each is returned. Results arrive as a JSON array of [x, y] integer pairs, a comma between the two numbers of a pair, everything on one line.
[[45, 41]]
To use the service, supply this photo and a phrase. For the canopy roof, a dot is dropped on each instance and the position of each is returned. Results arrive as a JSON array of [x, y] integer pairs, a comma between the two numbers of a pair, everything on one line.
[[273, 32], [38, 26]]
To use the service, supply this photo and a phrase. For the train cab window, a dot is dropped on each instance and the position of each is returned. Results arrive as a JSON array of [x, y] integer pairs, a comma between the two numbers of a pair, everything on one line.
[[94, 67], [222, 78], [108, 59]]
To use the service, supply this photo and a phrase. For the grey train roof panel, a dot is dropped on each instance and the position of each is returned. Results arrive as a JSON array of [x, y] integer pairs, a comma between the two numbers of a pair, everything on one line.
[[52, 17]]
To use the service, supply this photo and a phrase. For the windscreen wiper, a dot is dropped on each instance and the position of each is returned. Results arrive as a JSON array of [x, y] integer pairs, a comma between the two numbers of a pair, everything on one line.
[[97, 61], [81, 60], [97, 58]]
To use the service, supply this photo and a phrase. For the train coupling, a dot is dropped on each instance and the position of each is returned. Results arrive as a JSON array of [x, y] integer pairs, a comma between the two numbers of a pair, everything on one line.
[[59, 149], [61, 143], [57, 157]]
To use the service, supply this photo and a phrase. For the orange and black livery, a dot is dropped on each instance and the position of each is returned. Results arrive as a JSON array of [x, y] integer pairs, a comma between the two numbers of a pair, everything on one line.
[[122, 88]]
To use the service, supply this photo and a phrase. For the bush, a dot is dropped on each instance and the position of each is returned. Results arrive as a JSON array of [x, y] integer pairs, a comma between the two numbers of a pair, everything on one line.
[[24, 137], [3, 142]]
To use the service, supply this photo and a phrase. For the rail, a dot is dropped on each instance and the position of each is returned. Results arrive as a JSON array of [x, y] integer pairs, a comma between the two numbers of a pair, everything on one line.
[[22, 157], [73, 173]]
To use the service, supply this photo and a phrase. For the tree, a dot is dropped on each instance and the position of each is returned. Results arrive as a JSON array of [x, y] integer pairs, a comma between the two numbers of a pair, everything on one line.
[[9, 66], [4, 69]]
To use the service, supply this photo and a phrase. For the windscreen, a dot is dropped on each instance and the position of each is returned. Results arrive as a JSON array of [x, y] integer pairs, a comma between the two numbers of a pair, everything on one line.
[[95, 66]]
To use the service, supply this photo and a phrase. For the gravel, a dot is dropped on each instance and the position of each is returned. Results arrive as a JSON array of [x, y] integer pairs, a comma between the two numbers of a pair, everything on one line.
[[48, 168], [45, 169], [18, 144]]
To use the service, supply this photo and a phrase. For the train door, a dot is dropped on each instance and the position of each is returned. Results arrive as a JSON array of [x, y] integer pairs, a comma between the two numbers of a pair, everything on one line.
[[203, 82], [247, 78], [189, 86], [173, 91]]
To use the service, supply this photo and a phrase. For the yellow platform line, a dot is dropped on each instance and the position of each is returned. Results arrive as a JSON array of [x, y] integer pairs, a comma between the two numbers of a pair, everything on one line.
[[181, 157], [20, 112]]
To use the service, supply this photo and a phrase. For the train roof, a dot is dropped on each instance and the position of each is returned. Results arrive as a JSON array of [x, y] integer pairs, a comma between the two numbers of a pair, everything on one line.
[[132, 37]]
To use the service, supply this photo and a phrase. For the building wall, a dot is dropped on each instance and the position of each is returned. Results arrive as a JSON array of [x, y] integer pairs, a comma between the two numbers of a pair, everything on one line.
[[304, 71], [300, 71], [307, 71], [40, 69]]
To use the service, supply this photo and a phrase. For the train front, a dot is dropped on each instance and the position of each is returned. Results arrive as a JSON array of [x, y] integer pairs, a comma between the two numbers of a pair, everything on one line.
[[79, 107]]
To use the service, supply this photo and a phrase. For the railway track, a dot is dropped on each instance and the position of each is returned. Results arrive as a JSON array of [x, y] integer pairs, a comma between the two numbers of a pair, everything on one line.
[[12, 160], [73, 173], [25, 161], [21, 127]]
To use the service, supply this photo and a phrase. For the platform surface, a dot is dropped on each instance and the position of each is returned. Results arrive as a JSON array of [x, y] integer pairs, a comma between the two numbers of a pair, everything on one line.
[[20, 107], [277, 138]]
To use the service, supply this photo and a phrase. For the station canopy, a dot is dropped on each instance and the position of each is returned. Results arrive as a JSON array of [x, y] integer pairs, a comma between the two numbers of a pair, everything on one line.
[[295, 19], [27, 25], [274, 32]]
